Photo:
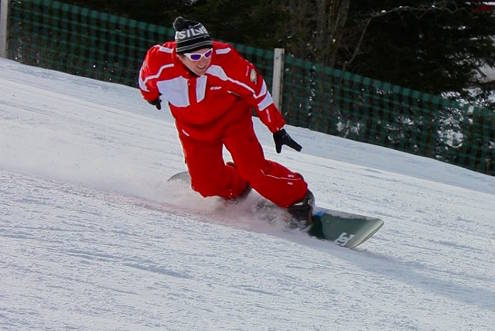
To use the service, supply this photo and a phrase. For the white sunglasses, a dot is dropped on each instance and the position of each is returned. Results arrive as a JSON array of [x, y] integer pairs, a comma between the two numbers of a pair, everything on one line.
[[195, 57]]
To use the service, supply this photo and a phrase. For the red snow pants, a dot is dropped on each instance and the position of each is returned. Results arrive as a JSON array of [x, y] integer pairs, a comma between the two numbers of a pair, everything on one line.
[[210, 176]]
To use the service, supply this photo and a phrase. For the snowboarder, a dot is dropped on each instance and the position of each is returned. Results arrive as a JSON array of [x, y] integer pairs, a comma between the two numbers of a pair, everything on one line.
[[211, 91]]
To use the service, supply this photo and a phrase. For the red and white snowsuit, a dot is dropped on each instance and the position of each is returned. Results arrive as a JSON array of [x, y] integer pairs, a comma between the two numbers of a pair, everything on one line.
[[214, 110]]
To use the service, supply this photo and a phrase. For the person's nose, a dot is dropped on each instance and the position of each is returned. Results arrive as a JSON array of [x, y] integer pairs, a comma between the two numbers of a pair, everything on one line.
[[203, 61]]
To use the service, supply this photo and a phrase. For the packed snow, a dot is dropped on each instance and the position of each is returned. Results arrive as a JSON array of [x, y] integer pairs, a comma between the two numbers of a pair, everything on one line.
[[93, 237]]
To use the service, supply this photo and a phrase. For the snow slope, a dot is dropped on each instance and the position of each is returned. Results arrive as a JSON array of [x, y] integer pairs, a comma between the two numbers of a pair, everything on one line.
[[92, 237]]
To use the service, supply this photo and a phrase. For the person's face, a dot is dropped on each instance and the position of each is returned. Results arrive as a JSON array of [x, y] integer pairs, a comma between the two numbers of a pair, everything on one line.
[[197, 61]]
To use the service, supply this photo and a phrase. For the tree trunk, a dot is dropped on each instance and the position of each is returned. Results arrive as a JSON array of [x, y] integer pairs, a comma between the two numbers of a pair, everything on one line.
[[315, 28]]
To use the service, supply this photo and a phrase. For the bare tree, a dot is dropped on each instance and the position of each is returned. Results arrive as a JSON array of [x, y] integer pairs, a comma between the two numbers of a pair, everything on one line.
[[315, 28]]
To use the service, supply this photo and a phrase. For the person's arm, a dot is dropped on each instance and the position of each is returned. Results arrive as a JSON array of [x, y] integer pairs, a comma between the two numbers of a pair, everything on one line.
[[150, 70], [242, 78]]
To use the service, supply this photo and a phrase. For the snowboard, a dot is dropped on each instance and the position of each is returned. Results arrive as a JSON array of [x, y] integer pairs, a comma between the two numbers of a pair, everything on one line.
[[344, 229]]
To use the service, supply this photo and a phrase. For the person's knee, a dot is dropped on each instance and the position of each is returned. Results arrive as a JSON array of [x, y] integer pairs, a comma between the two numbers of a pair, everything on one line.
[[228, 185], [206, 188]]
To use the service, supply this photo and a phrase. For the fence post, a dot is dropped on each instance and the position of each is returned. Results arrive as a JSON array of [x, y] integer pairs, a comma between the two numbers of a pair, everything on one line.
[[278, 77], [4, 6]]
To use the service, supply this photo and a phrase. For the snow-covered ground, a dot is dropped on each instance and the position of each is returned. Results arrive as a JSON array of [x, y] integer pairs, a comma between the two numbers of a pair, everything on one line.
[[92, 237]]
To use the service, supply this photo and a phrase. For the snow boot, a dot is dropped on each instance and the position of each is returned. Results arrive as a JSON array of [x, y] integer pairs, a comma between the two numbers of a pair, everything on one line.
[[302, 211]]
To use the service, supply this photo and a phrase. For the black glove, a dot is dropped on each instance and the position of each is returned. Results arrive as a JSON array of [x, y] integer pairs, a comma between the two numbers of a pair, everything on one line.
[[157, 103], [281, 137]]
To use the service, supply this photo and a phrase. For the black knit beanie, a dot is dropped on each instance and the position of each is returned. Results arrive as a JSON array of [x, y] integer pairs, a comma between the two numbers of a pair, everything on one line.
[[190, 35]]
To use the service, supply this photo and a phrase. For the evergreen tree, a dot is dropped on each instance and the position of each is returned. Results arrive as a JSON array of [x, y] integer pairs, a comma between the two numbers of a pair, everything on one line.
[[250, 22], [433, 48]]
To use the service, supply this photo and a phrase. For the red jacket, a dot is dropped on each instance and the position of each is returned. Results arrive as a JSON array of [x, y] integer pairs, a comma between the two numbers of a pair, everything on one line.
[[204, 106]]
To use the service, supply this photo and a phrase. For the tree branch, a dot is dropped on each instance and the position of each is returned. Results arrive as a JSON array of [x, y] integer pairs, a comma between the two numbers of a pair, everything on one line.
[[441, 6]]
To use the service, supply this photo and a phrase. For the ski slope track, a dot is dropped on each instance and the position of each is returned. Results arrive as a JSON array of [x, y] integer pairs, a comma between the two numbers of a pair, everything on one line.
[[92, 237]]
